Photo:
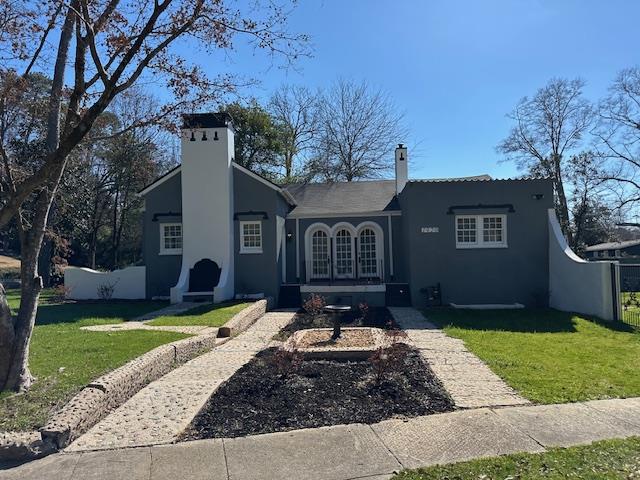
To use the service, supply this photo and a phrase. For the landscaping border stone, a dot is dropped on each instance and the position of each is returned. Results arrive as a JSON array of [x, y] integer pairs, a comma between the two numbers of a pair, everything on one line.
[[245, 318], [103, 395]]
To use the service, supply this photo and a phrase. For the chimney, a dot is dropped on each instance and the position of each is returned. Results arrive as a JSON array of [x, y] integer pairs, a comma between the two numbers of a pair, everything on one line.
[[207, 199], [402, 171]]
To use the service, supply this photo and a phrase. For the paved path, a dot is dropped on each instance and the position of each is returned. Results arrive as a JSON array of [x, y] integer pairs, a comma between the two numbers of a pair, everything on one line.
[[469, 381], [158, 413], [347, 452], [140, 323]]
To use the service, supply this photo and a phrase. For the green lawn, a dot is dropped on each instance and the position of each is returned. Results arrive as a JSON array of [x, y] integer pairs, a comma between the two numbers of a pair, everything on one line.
[[206, 315], [550, 356], [64, 358], [611, 459]]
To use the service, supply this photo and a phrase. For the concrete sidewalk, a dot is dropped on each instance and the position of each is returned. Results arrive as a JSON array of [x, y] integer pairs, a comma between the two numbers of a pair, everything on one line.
[[357, 451]]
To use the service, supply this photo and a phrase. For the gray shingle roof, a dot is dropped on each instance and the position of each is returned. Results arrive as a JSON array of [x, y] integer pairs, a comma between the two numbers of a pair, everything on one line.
[[612, 245], [342, 198]]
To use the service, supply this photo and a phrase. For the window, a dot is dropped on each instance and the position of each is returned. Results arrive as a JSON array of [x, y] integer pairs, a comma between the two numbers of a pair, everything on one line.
[[170, 239], [250, 237], [481, 231]]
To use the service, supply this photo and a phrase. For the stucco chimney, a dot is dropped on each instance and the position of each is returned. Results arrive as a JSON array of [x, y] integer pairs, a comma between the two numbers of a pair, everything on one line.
[[207, 199], [402, 171]]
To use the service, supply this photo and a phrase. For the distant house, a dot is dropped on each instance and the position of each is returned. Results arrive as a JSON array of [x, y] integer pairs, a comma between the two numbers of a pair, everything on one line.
[[212, 228], [626, 252]]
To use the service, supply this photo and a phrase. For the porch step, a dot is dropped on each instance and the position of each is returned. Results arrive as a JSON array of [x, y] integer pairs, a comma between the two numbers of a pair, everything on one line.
[[201, 297], [289, 296]]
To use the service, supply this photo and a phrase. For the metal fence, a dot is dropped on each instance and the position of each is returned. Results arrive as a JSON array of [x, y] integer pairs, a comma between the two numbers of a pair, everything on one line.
[[630, 294]]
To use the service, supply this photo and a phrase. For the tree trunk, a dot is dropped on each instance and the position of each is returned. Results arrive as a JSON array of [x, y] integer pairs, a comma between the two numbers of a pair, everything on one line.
[[7, 336], [562, 207]]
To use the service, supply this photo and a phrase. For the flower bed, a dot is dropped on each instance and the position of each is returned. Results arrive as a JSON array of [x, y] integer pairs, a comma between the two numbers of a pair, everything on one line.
[[264, 397]]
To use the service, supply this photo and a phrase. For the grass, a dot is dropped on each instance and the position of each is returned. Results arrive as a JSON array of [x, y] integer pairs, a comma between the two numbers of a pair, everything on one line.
[[550, 356], [64, 358], [611, 459], [205, 315]]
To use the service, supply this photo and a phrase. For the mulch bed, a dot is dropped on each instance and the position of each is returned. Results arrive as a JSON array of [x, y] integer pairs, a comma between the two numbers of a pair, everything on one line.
[[257, 400], [378, 317]]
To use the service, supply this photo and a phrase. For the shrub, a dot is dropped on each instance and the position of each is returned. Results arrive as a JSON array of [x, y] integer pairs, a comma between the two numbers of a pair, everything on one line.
[[314, 304], [364, 311], [60, 293], [105, 291], [287, 361], [390, 356]]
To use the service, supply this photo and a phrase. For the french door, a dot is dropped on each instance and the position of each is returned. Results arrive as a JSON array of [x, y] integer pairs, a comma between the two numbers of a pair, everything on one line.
[[320, 261], [367, 254], [343, 255]]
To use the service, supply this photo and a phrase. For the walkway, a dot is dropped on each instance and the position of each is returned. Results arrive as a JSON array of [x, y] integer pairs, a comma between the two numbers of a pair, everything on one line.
[[158, 413], [346, 452], [469, 381]]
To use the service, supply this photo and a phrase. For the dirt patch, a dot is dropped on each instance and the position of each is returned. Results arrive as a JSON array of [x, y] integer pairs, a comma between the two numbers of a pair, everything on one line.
[[257, 400], [347, 339], [378, 317]]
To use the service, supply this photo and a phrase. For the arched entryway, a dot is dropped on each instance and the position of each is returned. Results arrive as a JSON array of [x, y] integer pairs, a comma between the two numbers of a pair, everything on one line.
[[344, 252]]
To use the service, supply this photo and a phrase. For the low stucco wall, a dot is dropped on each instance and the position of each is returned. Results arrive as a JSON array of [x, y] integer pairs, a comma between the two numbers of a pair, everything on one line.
[[83, 283], [576, 285]]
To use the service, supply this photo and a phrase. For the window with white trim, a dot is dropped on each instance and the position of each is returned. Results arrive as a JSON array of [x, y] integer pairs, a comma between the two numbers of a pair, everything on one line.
[[170, 239], [251, 237], [481, 231]]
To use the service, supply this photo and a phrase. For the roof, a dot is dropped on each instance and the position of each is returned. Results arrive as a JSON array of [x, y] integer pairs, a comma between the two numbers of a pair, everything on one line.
[[477, 178], [343, 198], [612, 245], [207, 120]]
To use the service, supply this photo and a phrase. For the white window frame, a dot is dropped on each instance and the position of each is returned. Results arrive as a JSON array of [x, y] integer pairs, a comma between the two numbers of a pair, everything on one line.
[[250, 250], [170, 251], [480, 243]]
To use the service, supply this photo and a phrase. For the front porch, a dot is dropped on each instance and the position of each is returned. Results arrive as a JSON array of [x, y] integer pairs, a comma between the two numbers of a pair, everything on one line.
[[347, 292]]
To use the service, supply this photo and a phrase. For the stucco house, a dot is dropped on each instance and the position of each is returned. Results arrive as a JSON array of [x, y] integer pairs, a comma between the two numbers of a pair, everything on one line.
[[214, 229]]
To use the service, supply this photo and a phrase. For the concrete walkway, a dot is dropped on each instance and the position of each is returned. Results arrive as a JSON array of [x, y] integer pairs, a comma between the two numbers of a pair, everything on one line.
[[158, 413], [469, 381], [347, 452]]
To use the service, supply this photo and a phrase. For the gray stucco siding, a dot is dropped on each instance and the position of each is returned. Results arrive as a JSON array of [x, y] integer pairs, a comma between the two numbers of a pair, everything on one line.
[[257, 272], [515, 274], [162, 271]]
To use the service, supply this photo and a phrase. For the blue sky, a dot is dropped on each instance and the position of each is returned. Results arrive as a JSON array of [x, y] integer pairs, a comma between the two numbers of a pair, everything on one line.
[[457, 67]]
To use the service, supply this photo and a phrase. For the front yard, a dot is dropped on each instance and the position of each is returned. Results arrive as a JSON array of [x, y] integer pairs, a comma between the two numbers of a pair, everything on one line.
[[550, 356], [612, 459], [64, 358]]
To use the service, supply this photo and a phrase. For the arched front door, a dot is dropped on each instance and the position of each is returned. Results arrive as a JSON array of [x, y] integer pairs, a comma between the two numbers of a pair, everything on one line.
[[343, 265], [320, 260]]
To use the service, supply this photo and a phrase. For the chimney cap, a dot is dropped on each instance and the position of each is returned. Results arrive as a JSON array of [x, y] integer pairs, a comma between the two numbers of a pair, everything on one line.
[[400, 145], [207, 120]]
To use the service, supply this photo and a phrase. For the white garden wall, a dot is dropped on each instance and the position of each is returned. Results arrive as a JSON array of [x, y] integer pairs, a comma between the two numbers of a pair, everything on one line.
[[576, 285], [83, 283]]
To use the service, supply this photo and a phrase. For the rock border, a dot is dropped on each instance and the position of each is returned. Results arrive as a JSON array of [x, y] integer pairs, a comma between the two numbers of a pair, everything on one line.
[[103, 395]]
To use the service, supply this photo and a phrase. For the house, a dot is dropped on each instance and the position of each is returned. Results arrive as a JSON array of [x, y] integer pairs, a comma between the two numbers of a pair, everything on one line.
[[212, 228], [626, 252]]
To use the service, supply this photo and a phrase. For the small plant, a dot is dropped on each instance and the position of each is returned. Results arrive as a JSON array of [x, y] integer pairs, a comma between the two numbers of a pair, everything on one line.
[[105, 290], [60, 293], [364, 311], [390, 356], [315, 304], [287, 361]]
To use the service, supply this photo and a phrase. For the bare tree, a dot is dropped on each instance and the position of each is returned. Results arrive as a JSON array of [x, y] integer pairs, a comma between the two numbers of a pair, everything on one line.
[[618, 134], [295, 111], [548, 127], [106, 47], [359, 126]]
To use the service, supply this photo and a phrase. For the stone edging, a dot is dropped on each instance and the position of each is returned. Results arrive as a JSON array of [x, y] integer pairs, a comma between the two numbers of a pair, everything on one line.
[[245, 318], [108, 392]]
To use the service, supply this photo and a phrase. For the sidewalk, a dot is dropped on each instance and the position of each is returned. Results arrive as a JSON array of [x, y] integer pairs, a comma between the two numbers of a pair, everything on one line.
[[357, 451]]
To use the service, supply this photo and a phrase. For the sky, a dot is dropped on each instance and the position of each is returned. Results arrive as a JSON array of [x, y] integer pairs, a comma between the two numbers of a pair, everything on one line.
[[455, 68]]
